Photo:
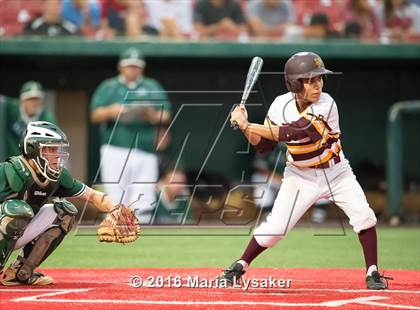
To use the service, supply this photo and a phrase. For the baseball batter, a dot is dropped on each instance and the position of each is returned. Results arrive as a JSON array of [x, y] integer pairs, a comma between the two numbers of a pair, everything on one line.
[[306, 119], [27, 221]]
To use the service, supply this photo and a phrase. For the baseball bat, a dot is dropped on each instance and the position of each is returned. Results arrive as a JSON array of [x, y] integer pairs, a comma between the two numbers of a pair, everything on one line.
[[251, 78]]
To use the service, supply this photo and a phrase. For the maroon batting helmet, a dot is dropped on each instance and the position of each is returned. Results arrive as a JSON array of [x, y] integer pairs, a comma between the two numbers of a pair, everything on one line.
[[304, 65]]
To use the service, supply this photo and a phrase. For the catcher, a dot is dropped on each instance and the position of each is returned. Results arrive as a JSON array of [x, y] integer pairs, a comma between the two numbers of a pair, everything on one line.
[[28, 222]]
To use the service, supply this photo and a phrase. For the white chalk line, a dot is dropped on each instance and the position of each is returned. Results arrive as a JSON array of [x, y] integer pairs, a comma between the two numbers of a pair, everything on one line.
[[253, 291], [369, 300], [56, 293], [378, 291], [29, 290], [353, 290]]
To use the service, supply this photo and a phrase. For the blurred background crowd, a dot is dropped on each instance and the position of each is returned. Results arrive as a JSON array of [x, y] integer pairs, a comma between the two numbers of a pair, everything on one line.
[[227, 20]]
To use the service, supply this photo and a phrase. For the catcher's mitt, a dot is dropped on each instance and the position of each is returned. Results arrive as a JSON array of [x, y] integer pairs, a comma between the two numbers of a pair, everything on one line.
[[121, 226]]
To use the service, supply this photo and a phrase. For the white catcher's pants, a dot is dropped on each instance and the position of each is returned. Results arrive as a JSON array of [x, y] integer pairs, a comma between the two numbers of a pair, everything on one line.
[[41, 222], [130, 176], [302, 187]]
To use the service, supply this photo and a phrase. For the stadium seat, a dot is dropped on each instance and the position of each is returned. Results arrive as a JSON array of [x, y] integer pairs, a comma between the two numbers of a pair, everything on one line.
[[14, 14]]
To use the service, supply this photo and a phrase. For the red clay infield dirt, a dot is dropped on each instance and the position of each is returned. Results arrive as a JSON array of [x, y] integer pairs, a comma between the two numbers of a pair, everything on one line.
[[180, 288]]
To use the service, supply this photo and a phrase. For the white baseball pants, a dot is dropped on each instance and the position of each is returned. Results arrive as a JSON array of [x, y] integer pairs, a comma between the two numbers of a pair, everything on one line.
[[302, 187], [130, 176]]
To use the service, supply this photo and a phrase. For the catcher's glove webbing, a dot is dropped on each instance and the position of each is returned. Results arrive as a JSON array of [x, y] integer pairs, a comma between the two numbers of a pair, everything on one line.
[[121, 226]]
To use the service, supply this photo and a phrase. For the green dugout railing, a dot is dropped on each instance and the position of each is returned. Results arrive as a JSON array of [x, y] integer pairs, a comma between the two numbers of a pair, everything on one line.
[[341, 49], [394, 172]]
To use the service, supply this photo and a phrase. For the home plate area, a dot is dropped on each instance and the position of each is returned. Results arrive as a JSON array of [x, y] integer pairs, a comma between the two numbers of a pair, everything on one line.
[[196, 288]]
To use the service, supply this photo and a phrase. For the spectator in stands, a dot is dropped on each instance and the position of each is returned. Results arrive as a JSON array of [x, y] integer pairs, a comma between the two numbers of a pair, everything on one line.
[[221, 19], [50, 23], [269, 18], [19, 112], [353, 30], [359, 12], [320, 28], [334, 9], [85, 14], [172, 195], [172, 18], [124, 17], [400, 20]]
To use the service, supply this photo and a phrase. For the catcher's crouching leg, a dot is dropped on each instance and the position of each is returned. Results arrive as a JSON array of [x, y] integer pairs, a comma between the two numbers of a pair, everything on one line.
[[35, 252], [15, 215]]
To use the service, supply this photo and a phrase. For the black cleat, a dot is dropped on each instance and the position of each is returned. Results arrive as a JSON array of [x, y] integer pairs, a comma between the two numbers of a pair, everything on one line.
[[375, 282], [232, 274]]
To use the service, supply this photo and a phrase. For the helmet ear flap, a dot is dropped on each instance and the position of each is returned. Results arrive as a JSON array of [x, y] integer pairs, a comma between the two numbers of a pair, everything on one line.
[[31, 150], [27, 148], [22, 143], [295, 86]]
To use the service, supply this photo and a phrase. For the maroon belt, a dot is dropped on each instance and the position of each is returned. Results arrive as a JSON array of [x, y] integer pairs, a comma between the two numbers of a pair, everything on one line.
[[327, 164]]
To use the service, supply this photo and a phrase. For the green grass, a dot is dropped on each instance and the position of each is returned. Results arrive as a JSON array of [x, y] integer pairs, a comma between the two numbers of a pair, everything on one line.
[[399, 248]]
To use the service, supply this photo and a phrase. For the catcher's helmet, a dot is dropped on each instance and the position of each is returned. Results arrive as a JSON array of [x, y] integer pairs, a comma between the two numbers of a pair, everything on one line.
[[303, 65], [47, 145]]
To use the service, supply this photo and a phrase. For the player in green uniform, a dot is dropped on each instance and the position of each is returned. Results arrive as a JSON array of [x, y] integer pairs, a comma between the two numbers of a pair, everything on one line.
[[27, 221], [173, 195], [30, 107], [130, 108]]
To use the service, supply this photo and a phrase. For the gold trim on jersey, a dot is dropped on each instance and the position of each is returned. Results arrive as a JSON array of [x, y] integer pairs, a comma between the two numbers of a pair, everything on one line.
[[312, 147], [302, 149], [320, 159], [33, 173], [326, 156], [318, 124], [323, 129]]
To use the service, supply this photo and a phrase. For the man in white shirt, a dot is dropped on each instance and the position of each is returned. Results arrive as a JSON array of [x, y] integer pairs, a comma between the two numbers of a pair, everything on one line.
[[173, 18]]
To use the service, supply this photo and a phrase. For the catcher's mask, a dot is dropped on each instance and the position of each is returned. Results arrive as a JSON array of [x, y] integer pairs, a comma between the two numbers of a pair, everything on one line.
[[47, 145], [304, 65]]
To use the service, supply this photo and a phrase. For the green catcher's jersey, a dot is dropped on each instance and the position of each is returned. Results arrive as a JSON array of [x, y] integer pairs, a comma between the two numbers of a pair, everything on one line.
[[134, 132], [19, 181], [16, 125]]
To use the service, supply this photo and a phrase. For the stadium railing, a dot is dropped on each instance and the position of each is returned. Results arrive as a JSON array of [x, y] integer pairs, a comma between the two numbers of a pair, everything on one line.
[[394, 173], [341, 49]]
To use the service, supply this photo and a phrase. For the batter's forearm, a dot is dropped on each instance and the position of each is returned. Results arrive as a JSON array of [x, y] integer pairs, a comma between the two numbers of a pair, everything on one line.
[[253, 139], [285, 133], [270, 132]]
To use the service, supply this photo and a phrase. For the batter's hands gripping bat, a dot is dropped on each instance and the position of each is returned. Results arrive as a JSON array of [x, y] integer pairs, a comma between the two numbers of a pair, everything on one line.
[[251, 78]]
